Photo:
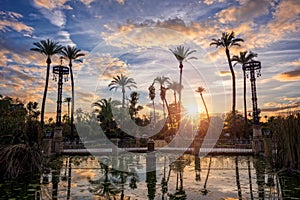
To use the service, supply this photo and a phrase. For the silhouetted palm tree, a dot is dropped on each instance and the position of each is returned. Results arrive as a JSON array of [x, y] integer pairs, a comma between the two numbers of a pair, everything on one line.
[[122, 82], [72, 54], [48, 48], [162, 80], [242, 59], [103, 109], [152, 97], [182, 53], [226, 41], [200, 90]]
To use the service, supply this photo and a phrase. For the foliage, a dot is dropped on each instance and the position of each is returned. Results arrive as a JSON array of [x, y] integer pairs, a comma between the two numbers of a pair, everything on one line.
[[134, 108], [17, 159], [240, 125], [286, 140], [20, 138], [123, 82], [182, 53]]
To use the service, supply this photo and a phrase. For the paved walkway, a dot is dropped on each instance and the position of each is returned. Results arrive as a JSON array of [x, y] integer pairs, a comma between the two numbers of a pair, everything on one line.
[[169, 149]]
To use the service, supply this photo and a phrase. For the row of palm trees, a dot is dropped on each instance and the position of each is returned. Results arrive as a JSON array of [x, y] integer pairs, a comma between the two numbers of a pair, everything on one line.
[[70, 53], [181, 53], [226, 41]]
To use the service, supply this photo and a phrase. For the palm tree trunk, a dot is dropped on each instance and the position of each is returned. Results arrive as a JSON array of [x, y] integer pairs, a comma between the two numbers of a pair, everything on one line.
[[177, 181], [233, 93], [180, 81], [169, 115], [123, 97], [154, 118], [69, 111], [208, 170], [72, 106], [45, 94], [175, 99], [205, 107], [69, 178], [181, 180], [245, 105], [250, 178]]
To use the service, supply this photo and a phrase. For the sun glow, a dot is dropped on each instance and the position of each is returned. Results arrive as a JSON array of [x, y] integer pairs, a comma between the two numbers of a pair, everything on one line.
[[192, 110]]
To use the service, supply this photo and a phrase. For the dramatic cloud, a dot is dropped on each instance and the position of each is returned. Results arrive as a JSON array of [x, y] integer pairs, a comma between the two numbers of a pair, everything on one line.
[[293, 75], [87, 2], [53, 11], [50, 5], [10, 21], [281, 107], [247, 11]]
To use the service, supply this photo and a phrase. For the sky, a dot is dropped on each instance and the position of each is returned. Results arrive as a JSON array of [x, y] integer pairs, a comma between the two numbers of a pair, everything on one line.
[[134, 37]]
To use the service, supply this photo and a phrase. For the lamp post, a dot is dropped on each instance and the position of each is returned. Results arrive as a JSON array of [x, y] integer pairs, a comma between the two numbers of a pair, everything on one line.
[[254, 67], [62, 72], [59, 73]]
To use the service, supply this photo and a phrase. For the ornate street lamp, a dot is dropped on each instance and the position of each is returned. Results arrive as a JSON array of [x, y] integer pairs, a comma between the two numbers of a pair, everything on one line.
[[253, 67], [61, 73]]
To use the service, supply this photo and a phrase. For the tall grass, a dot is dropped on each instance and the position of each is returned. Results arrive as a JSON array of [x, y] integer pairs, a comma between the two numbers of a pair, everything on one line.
[[17, 159], [286, 141]]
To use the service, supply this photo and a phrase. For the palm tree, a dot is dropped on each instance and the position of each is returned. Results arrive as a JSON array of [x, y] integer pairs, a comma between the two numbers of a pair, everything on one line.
[[182, 54], [72, 53], [226, 41], [103, 109], [152, 97], [162, 80], [68, 100], [200, 90], [122, 82], [242, 59], [47, 48]]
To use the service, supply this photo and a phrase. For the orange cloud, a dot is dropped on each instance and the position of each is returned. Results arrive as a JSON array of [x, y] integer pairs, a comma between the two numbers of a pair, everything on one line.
[[224, 73], [50, 4], [293, 75], [247, 11], [10, 22]]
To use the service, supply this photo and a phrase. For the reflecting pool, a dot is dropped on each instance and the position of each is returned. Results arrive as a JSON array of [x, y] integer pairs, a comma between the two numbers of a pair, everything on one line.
[[164, 176], [188, 177]]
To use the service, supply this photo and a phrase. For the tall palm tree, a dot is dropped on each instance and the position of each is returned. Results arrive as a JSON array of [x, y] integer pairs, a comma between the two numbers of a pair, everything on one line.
[[226, 41], [200, 90], [68, 100], [162, 80], [122, 82], [47, 48], [242, 59], [182, 54], [72, 54]]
